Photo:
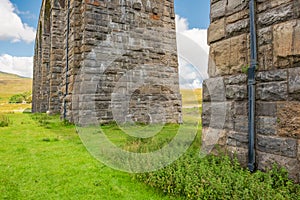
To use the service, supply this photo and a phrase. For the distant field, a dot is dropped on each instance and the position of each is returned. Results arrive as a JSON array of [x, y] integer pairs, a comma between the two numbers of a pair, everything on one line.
[[11, 84], [191, 98]]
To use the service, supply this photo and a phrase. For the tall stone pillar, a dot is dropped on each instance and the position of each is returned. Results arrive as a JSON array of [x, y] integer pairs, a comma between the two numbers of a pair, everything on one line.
[[225, 121]]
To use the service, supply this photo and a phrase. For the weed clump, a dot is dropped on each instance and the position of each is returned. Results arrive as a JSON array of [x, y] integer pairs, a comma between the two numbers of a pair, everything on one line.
[[214, 177], [4, 120]]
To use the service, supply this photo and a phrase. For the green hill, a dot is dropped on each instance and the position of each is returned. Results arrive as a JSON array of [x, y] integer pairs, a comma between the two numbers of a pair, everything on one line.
[[11, 84]]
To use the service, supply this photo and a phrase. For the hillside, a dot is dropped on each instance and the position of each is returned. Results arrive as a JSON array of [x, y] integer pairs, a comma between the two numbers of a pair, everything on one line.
[[11, 84], [191, 98]]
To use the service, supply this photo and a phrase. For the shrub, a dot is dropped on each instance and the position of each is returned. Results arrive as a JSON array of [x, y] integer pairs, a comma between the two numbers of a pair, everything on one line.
[[4, 120], [219, 178], [19, 98]]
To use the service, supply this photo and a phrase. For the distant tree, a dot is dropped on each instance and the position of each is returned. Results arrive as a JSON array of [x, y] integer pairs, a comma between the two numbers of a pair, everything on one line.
[[17, 98], [20, 98]]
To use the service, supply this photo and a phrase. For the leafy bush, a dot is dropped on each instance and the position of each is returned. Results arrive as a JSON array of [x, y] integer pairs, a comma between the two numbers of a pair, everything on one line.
[[4, 121], [220, 178], [19, 98]]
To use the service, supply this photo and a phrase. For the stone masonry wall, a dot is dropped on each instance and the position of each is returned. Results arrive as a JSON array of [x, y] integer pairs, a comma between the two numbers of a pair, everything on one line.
[[277, 82], [122, 61]]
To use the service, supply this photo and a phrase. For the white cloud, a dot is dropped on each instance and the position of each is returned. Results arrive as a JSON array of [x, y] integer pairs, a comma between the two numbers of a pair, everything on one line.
[[192, 54], [16, 65], [11, 26]]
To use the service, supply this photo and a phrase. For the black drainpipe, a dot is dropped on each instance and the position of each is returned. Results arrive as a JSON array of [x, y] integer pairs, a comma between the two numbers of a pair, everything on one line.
[[67, 59], [251, 88]]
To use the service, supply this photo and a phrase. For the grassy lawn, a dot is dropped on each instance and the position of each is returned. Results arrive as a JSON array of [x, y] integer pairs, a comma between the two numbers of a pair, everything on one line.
[[45, 159]]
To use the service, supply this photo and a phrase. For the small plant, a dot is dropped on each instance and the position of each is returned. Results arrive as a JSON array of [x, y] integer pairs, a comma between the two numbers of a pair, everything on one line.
[[4, 121], [246, 67]]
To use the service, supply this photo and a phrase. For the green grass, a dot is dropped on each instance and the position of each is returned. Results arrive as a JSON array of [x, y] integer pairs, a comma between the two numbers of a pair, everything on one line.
[[43, 158]]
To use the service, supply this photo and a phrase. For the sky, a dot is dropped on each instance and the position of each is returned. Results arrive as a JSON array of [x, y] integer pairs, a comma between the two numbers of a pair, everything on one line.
[[18, 22]]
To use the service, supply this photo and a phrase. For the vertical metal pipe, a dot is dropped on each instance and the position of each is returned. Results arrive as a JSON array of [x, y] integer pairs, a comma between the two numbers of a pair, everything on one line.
[[251, 88], [67, 59]]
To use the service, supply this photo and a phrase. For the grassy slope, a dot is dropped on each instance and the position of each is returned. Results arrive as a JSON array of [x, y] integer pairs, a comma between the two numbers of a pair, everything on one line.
[[11, 84], [37, 162], [191, 98]]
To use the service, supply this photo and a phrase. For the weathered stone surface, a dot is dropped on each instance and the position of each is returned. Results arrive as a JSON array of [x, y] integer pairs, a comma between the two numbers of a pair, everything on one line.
[[115, 47], [228, 56], [235, 6], [237, 139], [266, 109], [274, 75], [266, 125], [236, 92], [240, 123], [286, 36], [279, 146], [265, 57], [274, 91], [243, 14], [265, 36], [217, 115], [214, 89], [277, 85], [237, 28], [217, 9], [236, 79], [240, 153], [289, 119], [276, 15], [267, 5], [211, 138], [294, 80], [240, 108], [267, 160], [216, 31]]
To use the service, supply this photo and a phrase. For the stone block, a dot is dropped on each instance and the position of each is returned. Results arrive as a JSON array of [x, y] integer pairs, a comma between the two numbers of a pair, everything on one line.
[[214, 89], [240, 153], [273, 91], [240, 123], [237, 28], [227, 57], [266, 109], [294, 80], [211, 138], [237, 139], [216, 30], [234, 6], [286, 40], [243, 14], [266, 125], [276, 15], [217, 9], [266, 161], [279, 146], [274, 75], [217, 115], [236, 92], [236, 79], [240, 108], [265, 36], [289, 119]]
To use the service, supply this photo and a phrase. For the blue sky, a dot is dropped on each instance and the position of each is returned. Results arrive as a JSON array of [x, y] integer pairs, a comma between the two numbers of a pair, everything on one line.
[[17, 45], [28, 11]]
